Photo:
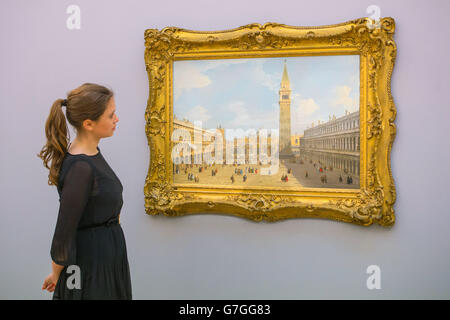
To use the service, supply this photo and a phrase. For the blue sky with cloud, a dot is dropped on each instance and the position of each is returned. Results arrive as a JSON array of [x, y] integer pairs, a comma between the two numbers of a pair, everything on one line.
[[243, 93]]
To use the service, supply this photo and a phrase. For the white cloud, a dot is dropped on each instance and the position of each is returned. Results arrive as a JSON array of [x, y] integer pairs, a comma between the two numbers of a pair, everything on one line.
[[307, 106], [304, 112], [245, 117], [303, 107], [186, 77], [343, 99], [189, 75]]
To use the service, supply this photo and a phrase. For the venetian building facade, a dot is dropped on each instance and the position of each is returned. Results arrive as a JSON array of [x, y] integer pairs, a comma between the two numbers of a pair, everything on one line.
[[234, 145], [194, 155], [336, 141], [285, 115]]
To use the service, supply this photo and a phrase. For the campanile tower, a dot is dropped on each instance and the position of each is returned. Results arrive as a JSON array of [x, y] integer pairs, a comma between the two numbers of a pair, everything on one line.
[[285, 115]]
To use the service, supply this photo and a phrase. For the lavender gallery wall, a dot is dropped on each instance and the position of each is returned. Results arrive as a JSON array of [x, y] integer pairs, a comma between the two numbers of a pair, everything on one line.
[[218, 256]]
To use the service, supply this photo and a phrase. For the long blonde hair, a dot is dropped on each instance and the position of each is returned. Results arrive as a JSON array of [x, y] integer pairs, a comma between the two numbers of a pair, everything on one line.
[[88, 101]]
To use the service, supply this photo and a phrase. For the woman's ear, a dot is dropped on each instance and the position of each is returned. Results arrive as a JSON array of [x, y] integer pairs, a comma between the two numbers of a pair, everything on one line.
[[88, 125]]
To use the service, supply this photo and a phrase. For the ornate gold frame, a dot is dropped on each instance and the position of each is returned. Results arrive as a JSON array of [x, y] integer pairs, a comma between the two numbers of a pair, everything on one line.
[[373, 202]]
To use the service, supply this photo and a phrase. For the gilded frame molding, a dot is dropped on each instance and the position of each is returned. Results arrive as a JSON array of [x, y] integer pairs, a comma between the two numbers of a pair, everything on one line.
[[372, 203]]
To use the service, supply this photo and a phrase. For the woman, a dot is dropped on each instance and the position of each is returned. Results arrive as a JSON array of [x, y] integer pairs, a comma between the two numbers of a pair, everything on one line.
[[87, 234]]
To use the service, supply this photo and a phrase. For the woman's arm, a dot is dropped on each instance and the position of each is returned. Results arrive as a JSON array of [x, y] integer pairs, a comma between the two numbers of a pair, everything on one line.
[[56, 268], [74, 197]]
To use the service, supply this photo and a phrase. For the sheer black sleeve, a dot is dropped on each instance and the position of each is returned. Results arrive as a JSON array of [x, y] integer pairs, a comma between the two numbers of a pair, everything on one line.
[[74, 197]]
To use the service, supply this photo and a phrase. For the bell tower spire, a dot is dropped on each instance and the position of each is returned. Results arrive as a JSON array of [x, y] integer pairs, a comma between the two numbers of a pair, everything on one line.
[[285, 115]]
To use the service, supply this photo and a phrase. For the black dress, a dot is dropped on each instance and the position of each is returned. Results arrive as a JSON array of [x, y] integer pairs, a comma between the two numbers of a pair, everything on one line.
[[87, 232]]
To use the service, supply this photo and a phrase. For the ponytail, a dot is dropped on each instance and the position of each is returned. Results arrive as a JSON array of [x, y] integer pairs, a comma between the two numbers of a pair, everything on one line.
[[57, 141]]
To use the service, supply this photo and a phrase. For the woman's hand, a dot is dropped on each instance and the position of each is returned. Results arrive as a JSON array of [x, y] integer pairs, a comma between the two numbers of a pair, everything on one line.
[[50, 282]]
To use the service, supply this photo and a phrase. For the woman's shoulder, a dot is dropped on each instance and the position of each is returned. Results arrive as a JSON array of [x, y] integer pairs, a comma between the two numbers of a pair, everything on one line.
[[79, 162]]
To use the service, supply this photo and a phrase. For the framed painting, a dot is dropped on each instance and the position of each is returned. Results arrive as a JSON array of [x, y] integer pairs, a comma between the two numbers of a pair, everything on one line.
[[272, 121]]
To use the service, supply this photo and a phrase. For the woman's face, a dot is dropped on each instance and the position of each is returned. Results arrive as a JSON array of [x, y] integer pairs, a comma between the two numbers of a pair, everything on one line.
[[106, 124]]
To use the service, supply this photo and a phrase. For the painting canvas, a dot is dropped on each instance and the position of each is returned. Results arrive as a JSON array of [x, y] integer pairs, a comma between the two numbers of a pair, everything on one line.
[[290, 122]]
